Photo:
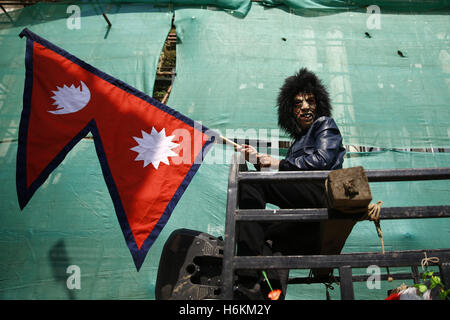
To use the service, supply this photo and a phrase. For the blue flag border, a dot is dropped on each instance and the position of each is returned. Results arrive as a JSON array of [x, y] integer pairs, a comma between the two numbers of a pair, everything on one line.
[[25, 194]]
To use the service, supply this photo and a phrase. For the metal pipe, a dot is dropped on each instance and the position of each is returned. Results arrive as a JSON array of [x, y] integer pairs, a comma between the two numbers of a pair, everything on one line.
[[319, 214], [107, 20], [356, 260], [372, 175]]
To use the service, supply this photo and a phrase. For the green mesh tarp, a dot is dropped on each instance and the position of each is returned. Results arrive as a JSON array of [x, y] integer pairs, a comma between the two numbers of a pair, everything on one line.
[[229, 70], [235, 7], [389, 88], [398, 5], [71, 219], [133, 61]]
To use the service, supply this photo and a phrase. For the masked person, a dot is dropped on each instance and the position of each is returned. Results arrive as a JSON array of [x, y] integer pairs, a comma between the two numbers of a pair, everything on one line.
[[304, 112]]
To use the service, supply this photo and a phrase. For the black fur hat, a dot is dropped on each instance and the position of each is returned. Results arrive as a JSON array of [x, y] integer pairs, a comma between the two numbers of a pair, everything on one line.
[[306, 82]]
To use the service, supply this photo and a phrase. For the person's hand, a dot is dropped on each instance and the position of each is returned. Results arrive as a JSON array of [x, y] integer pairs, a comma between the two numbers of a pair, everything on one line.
[[260, 159], [266, 161]]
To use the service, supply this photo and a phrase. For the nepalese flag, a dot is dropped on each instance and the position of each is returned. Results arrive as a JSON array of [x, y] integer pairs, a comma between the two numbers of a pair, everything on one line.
[[148, 152]]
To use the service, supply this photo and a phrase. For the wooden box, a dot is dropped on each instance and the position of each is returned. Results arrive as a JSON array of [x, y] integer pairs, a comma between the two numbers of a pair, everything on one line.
[[348, 190]]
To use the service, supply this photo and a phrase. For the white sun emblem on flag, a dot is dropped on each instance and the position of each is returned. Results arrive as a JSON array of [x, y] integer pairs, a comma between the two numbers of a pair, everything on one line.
[[154, 148]]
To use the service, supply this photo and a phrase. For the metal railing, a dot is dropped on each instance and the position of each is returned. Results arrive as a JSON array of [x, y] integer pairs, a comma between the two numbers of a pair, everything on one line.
[[343, 262]]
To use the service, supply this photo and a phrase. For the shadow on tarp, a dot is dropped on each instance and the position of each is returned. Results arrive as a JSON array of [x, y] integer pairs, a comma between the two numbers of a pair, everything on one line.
[[59, 261]]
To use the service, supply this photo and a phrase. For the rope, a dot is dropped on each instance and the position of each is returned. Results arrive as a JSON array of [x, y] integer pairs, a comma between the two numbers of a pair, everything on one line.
[[426, 260], [374, 211], [328, 287], [373, 214], [328, 284]]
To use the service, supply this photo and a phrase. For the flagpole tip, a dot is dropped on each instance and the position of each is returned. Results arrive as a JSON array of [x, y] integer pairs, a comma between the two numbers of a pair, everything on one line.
[[24, 33]]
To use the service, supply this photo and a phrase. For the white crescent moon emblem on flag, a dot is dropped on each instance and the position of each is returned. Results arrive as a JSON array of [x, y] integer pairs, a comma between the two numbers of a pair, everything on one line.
[[70, 99]]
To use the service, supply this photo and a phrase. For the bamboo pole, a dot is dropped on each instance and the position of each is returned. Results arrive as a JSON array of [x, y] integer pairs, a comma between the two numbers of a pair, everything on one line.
[[230, 142]]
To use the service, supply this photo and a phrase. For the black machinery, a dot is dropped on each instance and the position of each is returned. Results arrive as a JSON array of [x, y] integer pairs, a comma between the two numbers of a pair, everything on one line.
[[190, 267]]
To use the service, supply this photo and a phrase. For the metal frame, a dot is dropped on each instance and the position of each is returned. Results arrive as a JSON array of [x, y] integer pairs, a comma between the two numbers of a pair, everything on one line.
[[343, 262]]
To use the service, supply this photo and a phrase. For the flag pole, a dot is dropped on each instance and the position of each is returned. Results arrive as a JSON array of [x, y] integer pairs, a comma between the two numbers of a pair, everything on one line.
[[230, 142]]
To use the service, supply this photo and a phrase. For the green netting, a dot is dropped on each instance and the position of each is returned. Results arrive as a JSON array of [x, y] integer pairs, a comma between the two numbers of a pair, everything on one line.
[[236, 7], [399, 5], [231, 70], [228, 74], [71, 221], [127, 51]]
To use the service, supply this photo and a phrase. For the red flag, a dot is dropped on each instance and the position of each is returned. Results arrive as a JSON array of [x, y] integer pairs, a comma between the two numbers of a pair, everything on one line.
[[148, 152]]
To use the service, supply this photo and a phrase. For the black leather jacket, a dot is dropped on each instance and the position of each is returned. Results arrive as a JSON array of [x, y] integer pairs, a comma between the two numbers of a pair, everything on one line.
[[320, 148]]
